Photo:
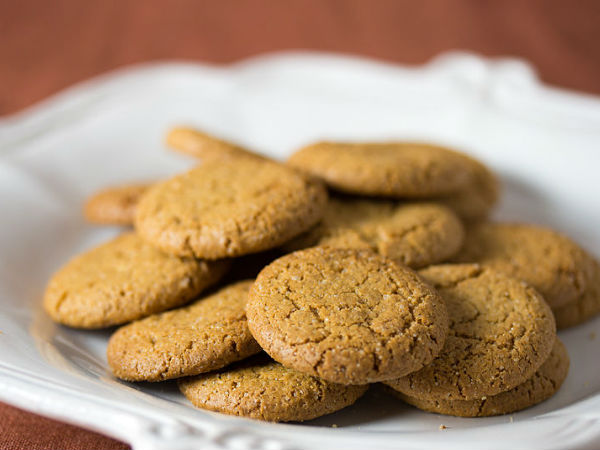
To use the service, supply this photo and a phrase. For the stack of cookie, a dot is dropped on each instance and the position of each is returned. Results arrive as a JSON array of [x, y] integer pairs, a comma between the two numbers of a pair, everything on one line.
[[302, 283]]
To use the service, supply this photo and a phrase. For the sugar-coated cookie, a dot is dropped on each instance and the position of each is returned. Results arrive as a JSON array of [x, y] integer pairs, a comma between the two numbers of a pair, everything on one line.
[[229, 208], [347, 316], [541, 386], [501, 331], [260, 388], [209, 334], [414, 234], [123, 280], [390, 169], [549, 261]]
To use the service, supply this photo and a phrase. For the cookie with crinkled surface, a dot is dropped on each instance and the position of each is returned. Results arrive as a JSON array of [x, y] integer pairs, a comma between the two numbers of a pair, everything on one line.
[[549, 261], [260, 388], [229, 208], [543, 385], [206, 335], [501, 331], [205, 146], [347, 316], [585, 307], [123, 280], [390, 169], [414, 234], [115, 205]]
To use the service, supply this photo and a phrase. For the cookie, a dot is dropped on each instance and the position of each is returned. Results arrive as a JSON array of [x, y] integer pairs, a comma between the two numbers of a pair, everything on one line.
[[474, 201], [123, 280], [229, 208], [260, 388], [414, 234], [115, 205], [585, 307], [543, 385], [501, 331], [206, 335], [392, 169], [205, 146], [547, 260], [347, 316]]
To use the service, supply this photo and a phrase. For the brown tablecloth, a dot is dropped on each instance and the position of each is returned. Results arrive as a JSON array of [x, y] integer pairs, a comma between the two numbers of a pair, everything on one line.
[[46, 46]]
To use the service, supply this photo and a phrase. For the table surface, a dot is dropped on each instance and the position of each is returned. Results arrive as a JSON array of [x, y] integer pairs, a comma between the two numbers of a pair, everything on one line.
[[47, 46]]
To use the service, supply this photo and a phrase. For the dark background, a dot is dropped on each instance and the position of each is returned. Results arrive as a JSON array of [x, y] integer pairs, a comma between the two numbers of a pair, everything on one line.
[[47, 45]]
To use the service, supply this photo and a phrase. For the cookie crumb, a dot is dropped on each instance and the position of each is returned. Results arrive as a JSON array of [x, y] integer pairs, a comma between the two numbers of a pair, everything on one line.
[[443, 427], [334, 425], [592, 336], [511, 419]]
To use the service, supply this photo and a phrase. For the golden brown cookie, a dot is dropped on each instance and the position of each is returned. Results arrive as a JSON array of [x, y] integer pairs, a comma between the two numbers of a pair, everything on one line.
[[550, 262], [115, 205], [347, 316], [229, 208], [123, 280], [205, 146], [414, 234], [392, 169], [206, 335], [262, 389], [543, 385], [501, 331], [585, 307], [474, 201]]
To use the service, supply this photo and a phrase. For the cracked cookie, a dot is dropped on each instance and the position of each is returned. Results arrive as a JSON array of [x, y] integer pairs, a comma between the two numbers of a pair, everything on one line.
[[392, 169], [550, 262], [347, 316], [123, 280], [115, 205], [206, 335], [501, 331], [541, 386], [262, 389], [414, 234], [205, 146], [229, 208]]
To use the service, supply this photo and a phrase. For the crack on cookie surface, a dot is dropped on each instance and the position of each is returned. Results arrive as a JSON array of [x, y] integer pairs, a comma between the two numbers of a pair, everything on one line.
[[543, 384], [123, 280], [263, 389], [415, 234], [206, 335], [547, 260], [229, 208], [345, 313], [500, 332]]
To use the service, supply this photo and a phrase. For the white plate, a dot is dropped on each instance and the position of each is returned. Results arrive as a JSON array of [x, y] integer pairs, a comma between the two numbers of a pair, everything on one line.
[[545, 144]]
